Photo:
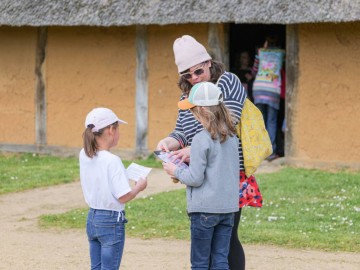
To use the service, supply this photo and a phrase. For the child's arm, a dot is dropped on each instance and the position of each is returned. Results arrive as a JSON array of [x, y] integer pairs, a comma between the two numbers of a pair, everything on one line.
[[139, 186], [194, 176]]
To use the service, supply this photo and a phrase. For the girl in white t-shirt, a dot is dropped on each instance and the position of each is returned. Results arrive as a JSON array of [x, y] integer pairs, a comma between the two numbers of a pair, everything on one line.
[[106, 188]]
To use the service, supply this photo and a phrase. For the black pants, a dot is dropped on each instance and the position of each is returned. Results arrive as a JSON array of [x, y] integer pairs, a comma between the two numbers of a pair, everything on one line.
[[236, 254]]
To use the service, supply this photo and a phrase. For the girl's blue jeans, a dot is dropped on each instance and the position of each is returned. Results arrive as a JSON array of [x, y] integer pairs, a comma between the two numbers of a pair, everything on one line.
[[270, 115], [106, 234], [210, 240]]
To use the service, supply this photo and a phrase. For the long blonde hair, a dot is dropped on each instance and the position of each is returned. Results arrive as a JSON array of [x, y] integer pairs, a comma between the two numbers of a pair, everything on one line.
[[217, 120]]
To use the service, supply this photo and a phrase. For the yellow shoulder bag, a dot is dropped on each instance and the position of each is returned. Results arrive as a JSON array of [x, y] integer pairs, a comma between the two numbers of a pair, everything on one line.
[[255, 140]]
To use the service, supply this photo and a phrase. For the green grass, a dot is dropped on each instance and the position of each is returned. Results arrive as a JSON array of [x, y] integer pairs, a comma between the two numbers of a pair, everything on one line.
[[302, 209], [306, 209], [20, 172]]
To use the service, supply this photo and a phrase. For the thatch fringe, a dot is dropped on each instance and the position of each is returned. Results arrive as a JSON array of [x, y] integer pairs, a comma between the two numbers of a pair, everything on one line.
[[147, 12]]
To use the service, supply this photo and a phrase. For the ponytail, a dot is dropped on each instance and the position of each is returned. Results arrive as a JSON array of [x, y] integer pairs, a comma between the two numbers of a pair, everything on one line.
[[89, 139], [89, 142]]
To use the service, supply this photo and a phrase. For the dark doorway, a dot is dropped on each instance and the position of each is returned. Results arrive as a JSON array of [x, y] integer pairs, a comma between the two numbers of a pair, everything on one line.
[[249, 38]]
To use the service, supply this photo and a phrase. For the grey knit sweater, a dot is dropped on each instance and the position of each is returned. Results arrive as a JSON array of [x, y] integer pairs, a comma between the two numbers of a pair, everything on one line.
[[212, 178]]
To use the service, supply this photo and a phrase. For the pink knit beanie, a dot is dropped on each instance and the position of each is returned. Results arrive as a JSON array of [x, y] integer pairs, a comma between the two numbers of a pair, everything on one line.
[[188, 53]]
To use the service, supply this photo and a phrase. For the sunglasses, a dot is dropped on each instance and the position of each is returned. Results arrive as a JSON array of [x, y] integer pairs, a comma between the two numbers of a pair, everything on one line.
[[188, 75]]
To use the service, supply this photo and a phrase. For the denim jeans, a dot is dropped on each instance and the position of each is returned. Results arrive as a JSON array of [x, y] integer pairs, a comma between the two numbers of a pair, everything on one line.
[[210, 240], [106, 234], [270, 117]]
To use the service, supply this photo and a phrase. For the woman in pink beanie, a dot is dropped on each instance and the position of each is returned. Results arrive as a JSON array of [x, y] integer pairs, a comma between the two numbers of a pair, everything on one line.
[[196, 65]]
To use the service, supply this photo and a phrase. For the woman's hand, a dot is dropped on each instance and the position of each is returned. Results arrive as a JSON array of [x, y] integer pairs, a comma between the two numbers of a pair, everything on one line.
[[183, 155], [167, 144], [170, 168]]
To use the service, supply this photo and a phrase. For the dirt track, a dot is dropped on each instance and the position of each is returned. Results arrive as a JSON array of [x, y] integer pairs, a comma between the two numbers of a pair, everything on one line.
[[25, 246]]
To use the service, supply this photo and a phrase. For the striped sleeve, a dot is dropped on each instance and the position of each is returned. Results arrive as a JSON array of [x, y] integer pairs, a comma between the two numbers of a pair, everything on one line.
[[255, 67], [234, 94], [234, 99]]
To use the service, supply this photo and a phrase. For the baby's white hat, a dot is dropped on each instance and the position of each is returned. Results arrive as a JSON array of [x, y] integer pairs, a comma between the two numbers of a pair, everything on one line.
[[100, 118]]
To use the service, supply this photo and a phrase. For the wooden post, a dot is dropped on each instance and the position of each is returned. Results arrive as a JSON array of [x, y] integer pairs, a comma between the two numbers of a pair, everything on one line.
[[292, 73], [40, 90], [226, 52], [141, 90], [214, 42], [218, 48]]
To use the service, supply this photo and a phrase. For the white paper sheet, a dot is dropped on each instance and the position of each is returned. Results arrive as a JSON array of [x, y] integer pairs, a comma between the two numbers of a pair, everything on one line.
[[136, 171]]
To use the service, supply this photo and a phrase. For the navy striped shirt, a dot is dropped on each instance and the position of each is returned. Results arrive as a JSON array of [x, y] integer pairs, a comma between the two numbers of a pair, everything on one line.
[[234, 98]]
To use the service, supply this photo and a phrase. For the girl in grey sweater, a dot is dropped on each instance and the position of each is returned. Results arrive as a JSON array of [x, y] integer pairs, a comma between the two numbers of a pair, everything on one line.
[[212, 178]]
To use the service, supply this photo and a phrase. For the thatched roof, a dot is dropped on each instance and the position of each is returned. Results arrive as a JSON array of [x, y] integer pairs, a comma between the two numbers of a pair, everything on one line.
[[131, 12]]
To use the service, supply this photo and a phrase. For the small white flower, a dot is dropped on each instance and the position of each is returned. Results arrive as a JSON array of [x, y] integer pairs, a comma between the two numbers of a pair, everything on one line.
[[272, 218]]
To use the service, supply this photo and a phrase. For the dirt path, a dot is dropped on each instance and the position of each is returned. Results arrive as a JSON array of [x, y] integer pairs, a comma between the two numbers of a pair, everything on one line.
[[25, 246]]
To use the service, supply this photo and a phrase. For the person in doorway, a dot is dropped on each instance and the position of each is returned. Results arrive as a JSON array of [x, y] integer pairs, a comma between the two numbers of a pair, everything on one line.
[[106, 189], [243, 71], [195, 65], [212, 179], [267, 86]]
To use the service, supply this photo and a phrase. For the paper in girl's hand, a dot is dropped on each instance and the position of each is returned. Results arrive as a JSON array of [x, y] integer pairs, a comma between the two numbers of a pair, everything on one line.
[[164, 156], [136, 171]]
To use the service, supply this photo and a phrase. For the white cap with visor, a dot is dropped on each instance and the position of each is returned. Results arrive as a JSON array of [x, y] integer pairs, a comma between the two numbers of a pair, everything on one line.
[[101, 118]]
